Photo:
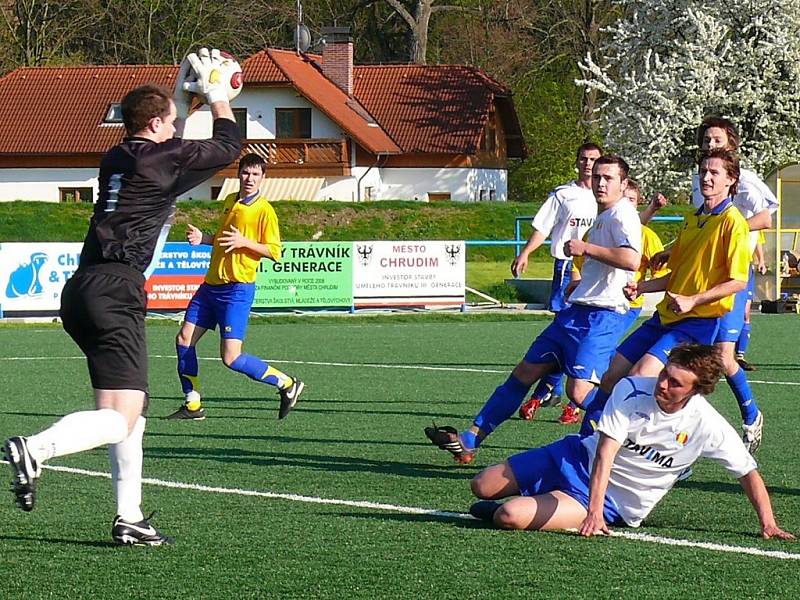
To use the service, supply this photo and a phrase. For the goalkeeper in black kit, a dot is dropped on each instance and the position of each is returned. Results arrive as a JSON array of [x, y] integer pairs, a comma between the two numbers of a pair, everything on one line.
[[103, 305]]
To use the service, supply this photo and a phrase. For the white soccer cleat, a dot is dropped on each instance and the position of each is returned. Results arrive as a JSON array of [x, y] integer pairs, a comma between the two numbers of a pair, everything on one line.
[[752, 434]]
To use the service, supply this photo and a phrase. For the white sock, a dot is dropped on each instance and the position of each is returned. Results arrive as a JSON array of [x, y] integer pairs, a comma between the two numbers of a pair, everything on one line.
[[126, 473], [78, 432]]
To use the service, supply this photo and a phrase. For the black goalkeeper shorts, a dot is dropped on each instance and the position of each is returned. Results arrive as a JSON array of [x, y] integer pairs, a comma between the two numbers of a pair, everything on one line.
[[103, 309]]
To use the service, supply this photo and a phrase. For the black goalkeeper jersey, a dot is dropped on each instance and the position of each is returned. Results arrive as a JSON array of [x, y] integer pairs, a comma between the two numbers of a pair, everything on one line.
[[139, 181]]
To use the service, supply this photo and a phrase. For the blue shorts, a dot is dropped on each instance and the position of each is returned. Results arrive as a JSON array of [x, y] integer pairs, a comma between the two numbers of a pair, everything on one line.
[[562, 275], [562, 465], [631, 316], [226, 305], [731, 323], [581, 340], [654, 338]]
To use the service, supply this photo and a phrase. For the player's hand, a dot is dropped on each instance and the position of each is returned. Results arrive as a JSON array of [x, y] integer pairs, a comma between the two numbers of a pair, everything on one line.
[[659, 259], [593, 524], [659, 201], [218, 75], [631, 290], [232, 239], [773, 531], [575, 248], [193, 235], [762, 268], [680, 304], [519, 265]]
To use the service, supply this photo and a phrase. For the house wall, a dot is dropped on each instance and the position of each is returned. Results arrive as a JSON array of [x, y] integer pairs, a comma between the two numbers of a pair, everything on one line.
[[461, 184], [261, 104], [43, 184]]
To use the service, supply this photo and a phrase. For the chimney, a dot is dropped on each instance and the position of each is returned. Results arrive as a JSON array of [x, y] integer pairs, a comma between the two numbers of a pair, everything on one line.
[[337, 57]]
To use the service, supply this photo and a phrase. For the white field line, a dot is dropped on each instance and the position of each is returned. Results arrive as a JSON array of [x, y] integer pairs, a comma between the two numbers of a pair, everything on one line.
[[412, 510], [344, 364]]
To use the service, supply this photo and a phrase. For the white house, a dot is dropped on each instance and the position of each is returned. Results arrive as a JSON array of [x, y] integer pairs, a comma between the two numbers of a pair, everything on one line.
[[328, 129]]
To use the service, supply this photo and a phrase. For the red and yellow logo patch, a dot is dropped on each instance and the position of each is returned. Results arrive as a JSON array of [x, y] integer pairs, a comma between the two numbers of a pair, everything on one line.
[[682, 438]]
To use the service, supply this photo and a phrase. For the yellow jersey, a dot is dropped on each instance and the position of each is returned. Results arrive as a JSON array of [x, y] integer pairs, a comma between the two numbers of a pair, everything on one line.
[[711, 249], [256, 221]]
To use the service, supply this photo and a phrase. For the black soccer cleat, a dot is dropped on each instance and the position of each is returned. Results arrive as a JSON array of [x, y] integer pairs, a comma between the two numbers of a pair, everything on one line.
[[26, 472], [447, 438], [140, 533], [289, 396], [484, 510], [746, 366], [184, 414]]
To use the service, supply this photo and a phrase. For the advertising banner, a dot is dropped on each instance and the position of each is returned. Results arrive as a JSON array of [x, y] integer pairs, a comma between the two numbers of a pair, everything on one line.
[[430, 273], [309, 274], [32, 274], [179, 273]]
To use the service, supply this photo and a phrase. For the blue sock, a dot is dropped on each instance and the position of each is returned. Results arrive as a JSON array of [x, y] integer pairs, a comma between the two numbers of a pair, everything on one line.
[[744, 396], [593, 404], [187, 367], [250, 365], [469, 439], [503, 403], [548, 384], [744, 339]]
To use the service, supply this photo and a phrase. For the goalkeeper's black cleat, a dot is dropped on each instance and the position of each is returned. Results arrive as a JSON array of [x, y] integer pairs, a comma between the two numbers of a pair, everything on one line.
[[484, 510], [447, 438], [26, 471], [289, 397], [746, 366], [140, 533]]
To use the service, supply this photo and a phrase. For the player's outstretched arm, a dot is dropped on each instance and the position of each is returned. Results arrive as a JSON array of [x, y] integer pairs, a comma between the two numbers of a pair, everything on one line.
[[520, 263], [594, 522], [757, 493]]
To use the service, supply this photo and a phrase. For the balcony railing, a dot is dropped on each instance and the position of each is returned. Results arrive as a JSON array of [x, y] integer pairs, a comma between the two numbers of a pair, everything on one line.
[[302, 156]]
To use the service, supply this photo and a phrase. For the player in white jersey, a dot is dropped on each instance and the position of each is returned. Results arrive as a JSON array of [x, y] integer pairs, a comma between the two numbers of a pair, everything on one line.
[[582, 338], [567, 214], [651, 429]]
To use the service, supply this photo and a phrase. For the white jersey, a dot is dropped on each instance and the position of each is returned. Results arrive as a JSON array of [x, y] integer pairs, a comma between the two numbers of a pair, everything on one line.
[[657, 446], [752, 197], [601, 284], [566, 215]]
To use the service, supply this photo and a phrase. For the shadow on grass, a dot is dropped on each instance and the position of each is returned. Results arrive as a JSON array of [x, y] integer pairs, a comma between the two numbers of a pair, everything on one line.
[[333, 464], [732, 488], [65, 542], [456, 519]]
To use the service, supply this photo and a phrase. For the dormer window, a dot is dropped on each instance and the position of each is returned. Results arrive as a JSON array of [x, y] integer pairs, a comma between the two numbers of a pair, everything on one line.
[[114, 114]]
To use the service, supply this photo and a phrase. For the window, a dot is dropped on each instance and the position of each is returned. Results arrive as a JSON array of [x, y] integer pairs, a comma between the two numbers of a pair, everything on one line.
[[369, 192], [492, 195], [75, 195], [292, 123], [438, 196], [482, 196], [114, 113], [240, 114], [215, 190]]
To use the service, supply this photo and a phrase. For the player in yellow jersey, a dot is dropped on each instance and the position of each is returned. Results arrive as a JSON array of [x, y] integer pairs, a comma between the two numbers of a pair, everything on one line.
[[709, 263], [248, 231]]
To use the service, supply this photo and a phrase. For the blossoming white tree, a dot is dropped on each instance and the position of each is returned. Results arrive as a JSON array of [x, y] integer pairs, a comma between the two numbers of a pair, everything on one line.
[[669, 63]]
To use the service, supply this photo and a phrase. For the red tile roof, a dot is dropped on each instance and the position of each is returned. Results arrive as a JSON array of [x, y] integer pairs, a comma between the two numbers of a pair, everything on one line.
[[330, 99], [395, 108], [60, 110]]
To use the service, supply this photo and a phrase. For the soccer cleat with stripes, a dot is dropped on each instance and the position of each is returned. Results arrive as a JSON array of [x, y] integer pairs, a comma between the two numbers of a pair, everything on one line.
[[26, 472], [185, 414], [447, 438], [289, 396], [140, 533], [570, 415], [752, 434]]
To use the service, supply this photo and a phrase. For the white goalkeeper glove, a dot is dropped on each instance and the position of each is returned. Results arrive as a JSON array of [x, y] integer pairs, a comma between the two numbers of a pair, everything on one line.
[[217, 75]]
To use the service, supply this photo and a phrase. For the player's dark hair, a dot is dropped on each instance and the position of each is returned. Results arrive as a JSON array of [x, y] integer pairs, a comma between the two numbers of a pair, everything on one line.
[[702, 360], [634, 185], [588, 146], [734, 141], [613, 159], [731, 162], [142, 104], [252, 160]]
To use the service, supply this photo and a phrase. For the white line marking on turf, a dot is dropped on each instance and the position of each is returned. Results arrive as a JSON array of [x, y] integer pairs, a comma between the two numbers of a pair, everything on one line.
[[412, 510], [351, 365]]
